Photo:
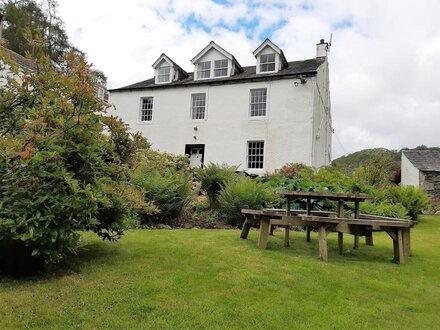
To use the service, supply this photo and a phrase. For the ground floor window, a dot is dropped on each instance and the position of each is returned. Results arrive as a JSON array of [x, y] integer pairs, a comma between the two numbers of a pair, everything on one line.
[[147, 109], [255, 154]]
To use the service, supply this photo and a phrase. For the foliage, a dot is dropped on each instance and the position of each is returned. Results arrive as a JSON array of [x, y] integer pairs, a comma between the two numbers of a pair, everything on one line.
[[384, 209], [243, 193], [415, 200], [292, 170], [60, 171], [349, 163], [375, 171], [167, 184], [213, 178]]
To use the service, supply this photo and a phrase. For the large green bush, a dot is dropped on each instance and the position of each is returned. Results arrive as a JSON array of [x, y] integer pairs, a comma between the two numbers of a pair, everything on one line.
[[62, 162], [243, 193], [213, 178], [415, 200], [169, 189]]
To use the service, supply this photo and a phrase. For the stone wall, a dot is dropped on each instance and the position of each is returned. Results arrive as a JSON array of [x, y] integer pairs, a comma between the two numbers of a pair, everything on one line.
[[430, 180]]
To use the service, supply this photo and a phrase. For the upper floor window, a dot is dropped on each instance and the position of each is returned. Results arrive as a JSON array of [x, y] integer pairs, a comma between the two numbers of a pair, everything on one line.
[[163, 74], [258, 102], [255, 154], [146, 109], [203, 70], [220, 68], [198, 106], [267, 63]]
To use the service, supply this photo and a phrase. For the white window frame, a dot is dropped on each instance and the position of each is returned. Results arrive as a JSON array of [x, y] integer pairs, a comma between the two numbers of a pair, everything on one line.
[[252, 103], [159, 74], [263, 155], [267, 63], [142, 110], [199, 70], [198, 107], [220, 68]]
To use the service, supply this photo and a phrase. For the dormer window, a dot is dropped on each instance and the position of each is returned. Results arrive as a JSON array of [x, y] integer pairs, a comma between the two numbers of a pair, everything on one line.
[[167, 71], [163, 74], [203, 70], [220, 68], [214, 62], [267, 63], [270, 58]]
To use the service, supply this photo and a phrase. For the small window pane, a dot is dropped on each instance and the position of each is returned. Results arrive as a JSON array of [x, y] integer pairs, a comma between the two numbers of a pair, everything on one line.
[[255, 156], [198, 106], [163, 74], [267, 63], [146, 109], [220, 68], [258, 102], [204, 70]]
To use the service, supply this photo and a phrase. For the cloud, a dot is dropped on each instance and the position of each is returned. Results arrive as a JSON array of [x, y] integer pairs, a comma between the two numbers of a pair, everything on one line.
[[383, 63]]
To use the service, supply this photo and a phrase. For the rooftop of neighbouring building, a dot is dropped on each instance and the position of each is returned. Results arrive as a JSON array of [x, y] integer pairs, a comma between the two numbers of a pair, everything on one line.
[[424, 160]]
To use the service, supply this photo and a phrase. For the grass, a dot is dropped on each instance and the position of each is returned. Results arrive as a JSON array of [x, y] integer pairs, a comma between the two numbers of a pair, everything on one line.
[[213, 279]]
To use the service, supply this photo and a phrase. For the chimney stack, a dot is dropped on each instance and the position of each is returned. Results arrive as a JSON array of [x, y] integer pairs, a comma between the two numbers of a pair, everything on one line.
[[322, 48]]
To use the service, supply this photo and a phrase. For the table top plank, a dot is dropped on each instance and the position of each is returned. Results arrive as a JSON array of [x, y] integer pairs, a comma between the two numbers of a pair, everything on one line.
[[324, 195]]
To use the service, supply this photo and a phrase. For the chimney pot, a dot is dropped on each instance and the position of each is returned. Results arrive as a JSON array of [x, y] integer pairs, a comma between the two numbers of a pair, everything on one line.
[[321, 41]]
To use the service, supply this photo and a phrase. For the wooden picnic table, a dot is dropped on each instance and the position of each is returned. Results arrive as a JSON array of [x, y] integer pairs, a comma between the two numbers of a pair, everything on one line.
[[326, 222]]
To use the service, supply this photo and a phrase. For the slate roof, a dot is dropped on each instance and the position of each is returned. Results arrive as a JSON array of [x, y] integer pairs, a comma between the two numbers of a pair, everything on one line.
[[296, 68], [424, 160], [20, 60]]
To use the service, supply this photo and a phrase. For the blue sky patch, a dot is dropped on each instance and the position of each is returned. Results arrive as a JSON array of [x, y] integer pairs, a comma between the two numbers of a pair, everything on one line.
[[346, 23]]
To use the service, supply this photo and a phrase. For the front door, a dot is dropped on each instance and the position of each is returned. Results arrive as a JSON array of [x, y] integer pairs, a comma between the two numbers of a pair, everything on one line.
[[195, 153]]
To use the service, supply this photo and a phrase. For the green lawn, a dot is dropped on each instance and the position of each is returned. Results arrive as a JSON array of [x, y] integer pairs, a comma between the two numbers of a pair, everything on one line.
[[213, 279]]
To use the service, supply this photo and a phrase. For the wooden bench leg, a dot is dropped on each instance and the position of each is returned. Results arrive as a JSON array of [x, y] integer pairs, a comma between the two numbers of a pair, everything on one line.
[[406, 242], [400, 252], [369, 240], [286, 236], [245, 230], [322, 239], [264, 233], [308, 234], [341, 243], [272, 228], [356, 242]]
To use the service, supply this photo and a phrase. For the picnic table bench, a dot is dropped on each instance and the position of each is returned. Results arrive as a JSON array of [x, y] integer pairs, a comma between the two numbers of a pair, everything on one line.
[[326, 222]]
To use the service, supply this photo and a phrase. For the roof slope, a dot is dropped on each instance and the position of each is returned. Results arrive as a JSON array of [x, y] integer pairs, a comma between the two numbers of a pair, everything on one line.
[[309, 66], [424, 160], [20, 60]]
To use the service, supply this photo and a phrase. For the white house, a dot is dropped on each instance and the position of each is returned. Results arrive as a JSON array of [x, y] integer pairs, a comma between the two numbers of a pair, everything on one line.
[[258, 117], [421, 169]]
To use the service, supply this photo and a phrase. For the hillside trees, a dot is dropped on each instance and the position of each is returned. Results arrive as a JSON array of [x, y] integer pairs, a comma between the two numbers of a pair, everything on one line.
[[63, 163]]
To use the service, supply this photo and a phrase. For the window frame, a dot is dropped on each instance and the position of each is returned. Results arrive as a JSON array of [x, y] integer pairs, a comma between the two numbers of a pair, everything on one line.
[[216, 69], [262, 155], [267, 63], [192, 107], [159, 75], [204, 70], [266, 108], [141, 110]]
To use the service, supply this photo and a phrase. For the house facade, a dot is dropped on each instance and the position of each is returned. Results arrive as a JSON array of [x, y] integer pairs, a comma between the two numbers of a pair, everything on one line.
[[256, 117], [421, 169]]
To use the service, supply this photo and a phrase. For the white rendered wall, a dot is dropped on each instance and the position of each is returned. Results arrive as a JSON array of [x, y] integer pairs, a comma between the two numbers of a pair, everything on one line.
[[410, 174], [287, 129], [322, 123]]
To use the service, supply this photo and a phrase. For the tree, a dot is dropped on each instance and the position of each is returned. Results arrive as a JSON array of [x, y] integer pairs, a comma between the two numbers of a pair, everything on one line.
[[64, 163]]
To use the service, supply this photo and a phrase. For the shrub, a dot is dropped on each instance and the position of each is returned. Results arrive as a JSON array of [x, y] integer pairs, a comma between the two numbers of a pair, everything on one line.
[[213, 178], [243, 193], [167, 189], [59, 156], [415, 200], [384, 209]]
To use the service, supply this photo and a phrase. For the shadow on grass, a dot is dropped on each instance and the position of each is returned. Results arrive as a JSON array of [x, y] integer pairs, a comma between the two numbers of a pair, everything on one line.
[[302, 249], [89, 254]]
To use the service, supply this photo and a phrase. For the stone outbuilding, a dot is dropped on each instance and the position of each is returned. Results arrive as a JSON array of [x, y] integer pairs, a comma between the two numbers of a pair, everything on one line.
[[421, 168]]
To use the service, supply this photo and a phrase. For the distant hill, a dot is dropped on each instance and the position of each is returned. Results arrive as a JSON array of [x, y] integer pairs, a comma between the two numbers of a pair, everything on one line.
[[350, 162]]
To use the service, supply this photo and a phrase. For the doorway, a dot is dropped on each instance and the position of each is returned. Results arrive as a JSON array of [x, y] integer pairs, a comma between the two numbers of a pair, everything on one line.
[[196, 154]]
